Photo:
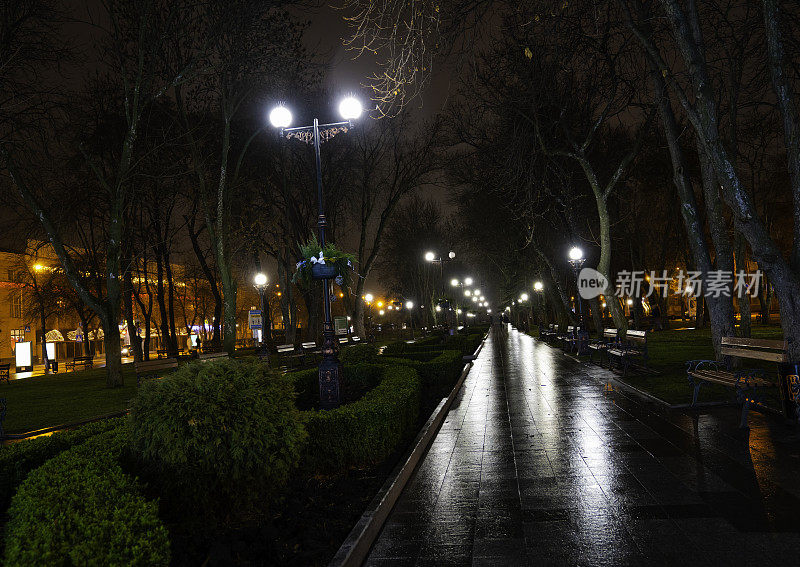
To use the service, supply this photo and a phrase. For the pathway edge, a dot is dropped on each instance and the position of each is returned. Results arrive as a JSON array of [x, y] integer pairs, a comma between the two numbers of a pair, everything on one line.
[[356, 546]]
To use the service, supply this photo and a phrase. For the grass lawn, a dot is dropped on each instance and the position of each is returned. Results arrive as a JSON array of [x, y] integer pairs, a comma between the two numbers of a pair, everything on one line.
[[669, 350], [45, 401]]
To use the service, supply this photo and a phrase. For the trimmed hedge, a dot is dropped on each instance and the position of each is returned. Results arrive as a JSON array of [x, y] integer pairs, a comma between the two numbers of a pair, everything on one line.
[[363, 353], [222, 434], [366, 431], [438, 371], [80, 508], [19, 459], [356, 380]]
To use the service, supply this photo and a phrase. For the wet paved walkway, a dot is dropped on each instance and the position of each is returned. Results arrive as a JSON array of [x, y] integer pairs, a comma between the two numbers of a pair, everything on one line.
[[538, 463]]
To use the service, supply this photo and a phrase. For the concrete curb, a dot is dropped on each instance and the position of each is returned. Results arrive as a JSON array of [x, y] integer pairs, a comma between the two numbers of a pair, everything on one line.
[[44, 430], [356, 546]]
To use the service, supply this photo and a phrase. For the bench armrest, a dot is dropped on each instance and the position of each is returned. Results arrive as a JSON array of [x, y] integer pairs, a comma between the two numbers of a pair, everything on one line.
[[700, 364]]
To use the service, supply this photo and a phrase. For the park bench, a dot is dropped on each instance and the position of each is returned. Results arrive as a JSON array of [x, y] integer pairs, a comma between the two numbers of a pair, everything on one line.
[[309, 347], [748, 383], [566, 336], [627, 351], [553, 333], [578, 341], [85, 361], [212, 356], [288, 352], [343, 340], [602, 344], [356, 339], [162, 353], [5, 372], [153, 366]]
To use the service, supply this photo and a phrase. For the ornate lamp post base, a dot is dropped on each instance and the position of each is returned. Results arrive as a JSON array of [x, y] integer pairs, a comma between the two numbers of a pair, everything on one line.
[[330, 369]]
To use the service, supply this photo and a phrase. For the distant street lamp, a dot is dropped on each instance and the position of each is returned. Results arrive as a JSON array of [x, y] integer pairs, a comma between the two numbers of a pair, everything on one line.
[[538, 288], [409, 308], [260, 281], [280, 117]]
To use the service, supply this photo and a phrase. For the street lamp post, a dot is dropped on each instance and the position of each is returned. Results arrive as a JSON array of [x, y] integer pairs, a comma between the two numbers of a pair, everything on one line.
[[538, 288], [576, 260], [260, 282], [409, 307], [280, 117], [432, 258]]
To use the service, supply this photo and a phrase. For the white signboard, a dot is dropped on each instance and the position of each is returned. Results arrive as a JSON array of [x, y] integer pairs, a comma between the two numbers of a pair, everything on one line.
[[51, 350], [254, 318], [22, 353]]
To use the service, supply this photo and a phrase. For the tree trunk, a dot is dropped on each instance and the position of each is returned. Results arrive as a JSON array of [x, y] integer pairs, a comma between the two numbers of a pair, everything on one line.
[[43, 323], [113, 356], [162, 306], [781, 84], [170, 302], [721, 316], [604, 266], [127, 297], [745, 313], [721, 322]]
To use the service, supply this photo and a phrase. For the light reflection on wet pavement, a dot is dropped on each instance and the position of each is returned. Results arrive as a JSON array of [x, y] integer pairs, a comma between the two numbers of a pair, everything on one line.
[[539, 463]]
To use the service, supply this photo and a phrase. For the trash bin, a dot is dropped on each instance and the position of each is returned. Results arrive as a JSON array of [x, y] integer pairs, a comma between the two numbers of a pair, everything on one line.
[[54, 366], [790, 387]]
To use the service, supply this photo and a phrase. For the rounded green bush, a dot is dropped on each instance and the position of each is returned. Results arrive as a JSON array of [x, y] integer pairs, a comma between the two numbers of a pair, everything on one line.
[[224, 433], [80, 508], [359, 354], [19, 459]]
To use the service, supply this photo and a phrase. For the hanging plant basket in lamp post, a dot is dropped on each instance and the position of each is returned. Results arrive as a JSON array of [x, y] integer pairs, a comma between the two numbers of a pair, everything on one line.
[[324, 271], [323, 264]]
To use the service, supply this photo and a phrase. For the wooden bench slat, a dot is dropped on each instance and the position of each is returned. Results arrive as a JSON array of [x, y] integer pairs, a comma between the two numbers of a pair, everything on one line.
[[754, 354], [758, 343]]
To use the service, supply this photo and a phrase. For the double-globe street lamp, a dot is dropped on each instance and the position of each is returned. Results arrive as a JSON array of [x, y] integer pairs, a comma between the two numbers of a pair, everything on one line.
[[280, 117], [432, 258]]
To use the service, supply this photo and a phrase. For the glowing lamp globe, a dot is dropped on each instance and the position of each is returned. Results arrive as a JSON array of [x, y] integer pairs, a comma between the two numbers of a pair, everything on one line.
[[260, 279], [538, 286], [280, 117], [430, 256], [452, 254], [350, 108], [409, 305], [575, 253], [454, 282], [369, 297], [468, 281], [524, 297]]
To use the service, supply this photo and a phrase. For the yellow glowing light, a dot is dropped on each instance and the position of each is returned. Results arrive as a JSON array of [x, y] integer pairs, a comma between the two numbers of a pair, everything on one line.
[[380, 304]]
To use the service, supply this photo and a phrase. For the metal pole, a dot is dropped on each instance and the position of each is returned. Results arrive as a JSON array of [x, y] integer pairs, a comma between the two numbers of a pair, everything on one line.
[[329, 367], [264, 349]]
